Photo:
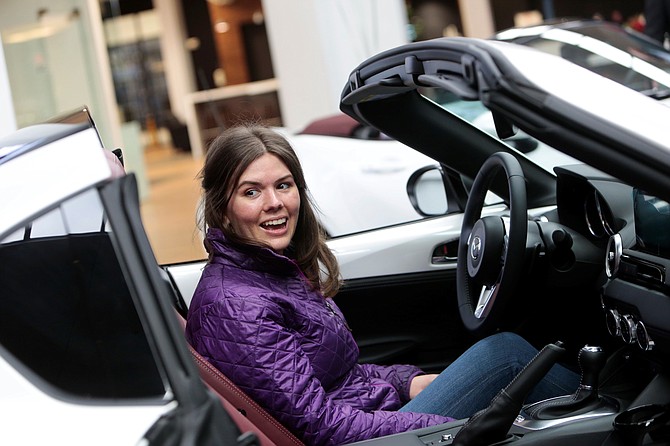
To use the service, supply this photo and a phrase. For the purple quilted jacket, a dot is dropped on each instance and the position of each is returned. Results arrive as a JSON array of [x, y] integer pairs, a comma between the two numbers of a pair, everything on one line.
[[255, 318]]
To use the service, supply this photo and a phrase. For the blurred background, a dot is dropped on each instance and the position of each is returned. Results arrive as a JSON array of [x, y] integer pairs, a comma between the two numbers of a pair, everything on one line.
[[163, 77]]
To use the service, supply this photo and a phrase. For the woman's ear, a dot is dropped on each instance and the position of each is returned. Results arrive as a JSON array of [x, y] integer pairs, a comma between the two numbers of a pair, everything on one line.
[[226, 223]]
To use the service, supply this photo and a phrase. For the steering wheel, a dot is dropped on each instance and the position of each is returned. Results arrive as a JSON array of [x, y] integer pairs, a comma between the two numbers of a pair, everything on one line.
[[491, 248]]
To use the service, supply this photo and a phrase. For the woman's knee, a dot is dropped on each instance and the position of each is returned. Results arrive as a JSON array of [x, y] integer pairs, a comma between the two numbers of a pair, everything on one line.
[[507, 340], [509, 347]]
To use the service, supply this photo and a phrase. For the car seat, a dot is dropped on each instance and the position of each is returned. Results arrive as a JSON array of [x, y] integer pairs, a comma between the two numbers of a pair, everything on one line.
[[246, 412]]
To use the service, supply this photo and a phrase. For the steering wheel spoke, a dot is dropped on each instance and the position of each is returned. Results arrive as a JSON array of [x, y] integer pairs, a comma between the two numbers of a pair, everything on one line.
[[485, 301]]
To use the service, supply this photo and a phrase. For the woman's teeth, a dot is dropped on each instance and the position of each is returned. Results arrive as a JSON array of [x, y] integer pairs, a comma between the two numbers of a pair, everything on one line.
[[278, 222]]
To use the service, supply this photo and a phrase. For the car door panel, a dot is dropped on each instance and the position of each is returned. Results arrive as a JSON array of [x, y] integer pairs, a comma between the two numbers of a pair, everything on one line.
[[405, 319], [399, 300], [401, 249]]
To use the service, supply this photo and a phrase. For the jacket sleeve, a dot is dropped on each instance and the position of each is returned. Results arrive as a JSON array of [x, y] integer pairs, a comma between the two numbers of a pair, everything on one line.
[[399, 376], [248, 341]]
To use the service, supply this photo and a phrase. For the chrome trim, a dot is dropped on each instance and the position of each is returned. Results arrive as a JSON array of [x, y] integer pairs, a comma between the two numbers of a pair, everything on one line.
[[644, 341], [659, 270], [527, 422], [442, 260], [613, 255], [475, 248], [592, 348], [606, 224], [613, 322], [594, 216], [485, 301], [628, 329]]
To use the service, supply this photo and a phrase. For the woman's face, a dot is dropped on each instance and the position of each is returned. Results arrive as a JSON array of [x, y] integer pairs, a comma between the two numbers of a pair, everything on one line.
[[265, 203]]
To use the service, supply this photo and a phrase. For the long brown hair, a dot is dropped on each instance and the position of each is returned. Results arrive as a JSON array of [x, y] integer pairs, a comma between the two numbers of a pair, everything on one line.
[[228, 156]]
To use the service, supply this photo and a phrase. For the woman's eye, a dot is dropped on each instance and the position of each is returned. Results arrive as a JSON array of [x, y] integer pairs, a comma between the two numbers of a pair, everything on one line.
[[251, 193], [283, 186]]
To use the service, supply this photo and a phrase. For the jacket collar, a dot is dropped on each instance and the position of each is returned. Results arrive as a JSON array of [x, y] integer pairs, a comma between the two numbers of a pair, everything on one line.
[[248, 256]]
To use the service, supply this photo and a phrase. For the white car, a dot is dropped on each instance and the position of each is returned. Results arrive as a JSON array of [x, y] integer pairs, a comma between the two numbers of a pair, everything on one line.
[[91, 343]]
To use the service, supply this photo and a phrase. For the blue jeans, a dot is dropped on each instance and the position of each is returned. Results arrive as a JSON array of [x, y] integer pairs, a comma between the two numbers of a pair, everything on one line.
[[471, 381]]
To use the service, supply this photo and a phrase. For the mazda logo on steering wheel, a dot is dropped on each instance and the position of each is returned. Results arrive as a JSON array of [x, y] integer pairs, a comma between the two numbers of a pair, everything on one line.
[[475, 247]]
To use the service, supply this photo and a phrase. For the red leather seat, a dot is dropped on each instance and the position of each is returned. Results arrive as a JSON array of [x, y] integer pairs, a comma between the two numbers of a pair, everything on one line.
[[248, 415]]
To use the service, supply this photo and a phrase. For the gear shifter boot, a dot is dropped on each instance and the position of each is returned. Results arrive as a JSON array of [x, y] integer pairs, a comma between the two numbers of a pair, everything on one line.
[[585, 399]]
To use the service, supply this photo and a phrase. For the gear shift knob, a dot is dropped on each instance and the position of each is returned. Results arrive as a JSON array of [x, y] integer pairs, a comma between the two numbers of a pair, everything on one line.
[[591, 361]]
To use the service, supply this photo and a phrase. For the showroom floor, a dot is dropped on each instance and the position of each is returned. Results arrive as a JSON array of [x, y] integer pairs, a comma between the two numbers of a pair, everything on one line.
[[168, 209]]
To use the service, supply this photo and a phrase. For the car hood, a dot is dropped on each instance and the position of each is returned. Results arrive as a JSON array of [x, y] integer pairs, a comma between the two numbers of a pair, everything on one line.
[[568, 107]]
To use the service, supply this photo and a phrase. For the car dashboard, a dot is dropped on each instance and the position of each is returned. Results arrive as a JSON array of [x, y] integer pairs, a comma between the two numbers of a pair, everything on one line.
[[636, 297], [633, 230]]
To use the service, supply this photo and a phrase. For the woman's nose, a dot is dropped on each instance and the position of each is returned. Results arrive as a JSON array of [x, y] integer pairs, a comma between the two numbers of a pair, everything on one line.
[[273, 200]]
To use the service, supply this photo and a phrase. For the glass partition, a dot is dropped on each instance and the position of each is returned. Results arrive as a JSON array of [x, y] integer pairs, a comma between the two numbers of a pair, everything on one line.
[[48, 66]]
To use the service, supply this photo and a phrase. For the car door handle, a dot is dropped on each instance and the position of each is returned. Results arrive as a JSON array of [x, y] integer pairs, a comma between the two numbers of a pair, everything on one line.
[[445, 253]]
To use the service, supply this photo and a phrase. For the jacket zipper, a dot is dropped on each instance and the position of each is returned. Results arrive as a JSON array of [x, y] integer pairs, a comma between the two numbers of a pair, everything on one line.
[[336, 314]]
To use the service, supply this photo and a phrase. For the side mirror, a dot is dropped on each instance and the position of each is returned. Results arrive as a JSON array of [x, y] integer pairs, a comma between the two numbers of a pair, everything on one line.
[[427, 192]]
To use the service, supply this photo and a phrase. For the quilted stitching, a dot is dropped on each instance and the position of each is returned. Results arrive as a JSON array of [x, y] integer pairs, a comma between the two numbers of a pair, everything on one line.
[[258, 321]]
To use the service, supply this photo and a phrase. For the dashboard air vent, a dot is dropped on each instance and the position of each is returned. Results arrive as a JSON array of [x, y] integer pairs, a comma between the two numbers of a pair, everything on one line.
[[641, 271]]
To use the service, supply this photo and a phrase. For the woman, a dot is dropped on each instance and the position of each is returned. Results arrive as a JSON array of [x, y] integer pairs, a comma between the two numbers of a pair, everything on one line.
[[263, 312]]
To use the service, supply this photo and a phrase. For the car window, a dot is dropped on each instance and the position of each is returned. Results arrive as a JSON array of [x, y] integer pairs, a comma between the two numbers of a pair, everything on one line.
[[66, 312]]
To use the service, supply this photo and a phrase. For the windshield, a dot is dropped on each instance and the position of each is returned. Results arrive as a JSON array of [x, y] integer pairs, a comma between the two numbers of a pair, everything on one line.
[[478, 115]]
